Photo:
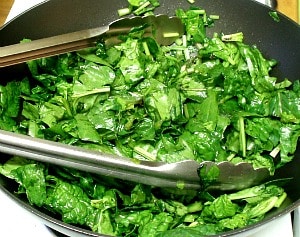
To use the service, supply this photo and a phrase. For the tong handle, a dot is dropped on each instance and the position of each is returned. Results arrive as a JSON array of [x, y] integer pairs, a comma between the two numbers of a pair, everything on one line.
[[175, 175], [55, 45], [158, 27], [187, 174]]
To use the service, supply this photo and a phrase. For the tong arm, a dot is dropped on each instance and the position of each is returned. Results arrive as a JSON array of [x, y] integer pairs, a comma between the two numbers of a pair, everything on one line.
[[174, 175], [159, 26]]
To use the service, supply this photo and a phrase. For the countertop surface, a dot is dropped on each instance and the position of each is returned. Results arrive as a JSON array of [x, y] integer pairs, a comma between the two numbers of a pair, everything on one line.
[[5, 6]]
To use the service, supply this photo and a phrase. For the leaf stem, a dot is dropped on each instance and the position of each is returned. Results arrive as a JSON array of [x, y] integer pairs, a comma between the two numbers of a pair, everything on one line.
[[146, 49], [242, 136], [124, 11], [141, 7], [95, 91], [144, 153], [275, 152]]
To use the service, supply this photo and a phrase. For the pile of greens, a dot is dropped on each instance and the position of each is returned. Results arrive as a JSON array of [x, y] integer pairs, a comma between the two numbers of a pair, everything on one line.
[[139, 7], [202, 98], [116, 208]]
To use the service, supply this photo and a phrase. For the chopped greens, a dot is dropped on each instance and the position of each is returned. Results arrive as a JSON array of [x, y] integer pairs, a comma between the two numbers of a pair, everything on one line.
[[274, 16], [118, 208], [139, 7], [201, 98]]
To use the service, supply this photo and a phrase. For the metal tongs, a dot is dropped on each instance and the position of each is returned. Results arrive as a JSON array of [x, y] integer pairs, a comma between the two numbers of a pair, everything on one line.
[[163, 28], [182, 175]]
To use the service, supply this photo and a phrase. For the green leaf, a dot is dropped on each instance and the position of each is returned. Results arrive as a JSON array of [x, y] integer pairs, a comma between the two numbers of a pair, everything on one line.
[[194, 22], [10, 98], [262, 161], [103, 223], [107, 201], [220, 208], [261, 208], [199, 230], [71, 202], [12, 164], [208, 174], [265, 132], [50, 113], [92, 58], [285, 105], [164, 106], [208, 112], [94, 77], [136, 3], [274, 16], [31, 177], [86, 130], [289, 135], [102, 119], [160, 222], [30, 111], [240, 220]]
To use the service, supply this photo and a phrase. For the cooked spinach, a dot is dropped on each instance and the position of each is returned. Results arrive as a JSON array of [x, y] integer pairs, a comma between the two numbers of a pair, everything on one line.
[[139, 7], [202, 98], [117, 208]]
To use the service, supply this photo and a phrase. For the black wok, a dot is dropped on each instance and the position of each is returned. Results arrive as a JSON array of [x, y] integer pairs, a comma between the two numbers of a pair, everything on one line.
[[278, 40]]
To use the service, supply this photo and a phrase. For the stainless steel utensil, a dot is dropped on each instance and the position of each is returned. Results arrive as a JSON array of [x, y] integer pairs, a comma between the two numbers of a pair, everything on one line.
[[182, 175], [163, 28]]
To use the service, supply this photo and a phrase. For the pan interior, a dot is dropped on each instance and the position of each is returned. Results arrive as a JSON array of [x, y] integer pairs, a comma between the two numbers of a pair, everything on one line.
[[278, 40]]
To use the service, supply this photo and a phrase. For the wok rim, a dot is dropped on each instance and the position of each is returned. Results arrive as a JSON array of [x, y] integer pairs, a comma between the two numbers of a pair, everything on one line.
[[66, 228]]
